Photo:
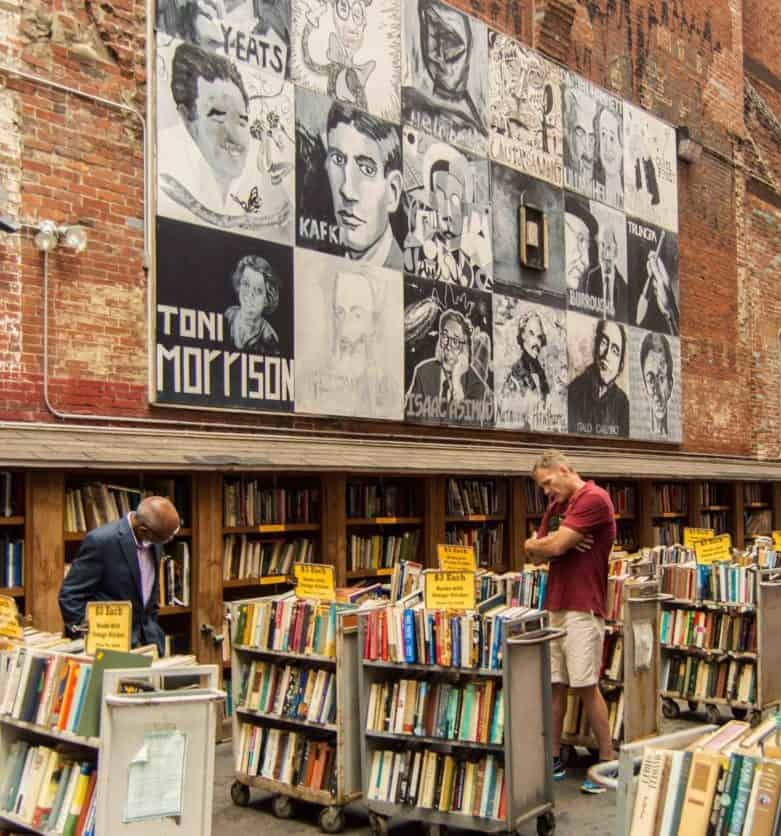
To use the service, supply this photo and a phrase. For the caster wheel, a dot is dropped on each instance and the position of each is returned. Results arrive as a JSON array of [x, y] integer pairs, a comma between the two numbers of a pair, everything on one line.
[[546, 824], [437, 830], [239, 794], [282, 806], [567, 754], [670, 709], [331, 820], [692, 705], [712, 714], [378, 825], [739, 713], [755, 718]]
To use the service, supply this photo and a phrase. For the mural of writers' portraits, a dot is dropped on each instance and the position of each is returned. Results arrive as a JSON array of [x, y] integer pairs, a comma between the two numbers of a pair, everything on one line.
[[598, 376], [226, 340], [512, 191], [653, 268], [655, 374], [225, 143], [446, 196], [525, 109], [350, 50], [596, 258], [254, 33], [447, 335], [530, 366], [650, 169], [593, 141], [444, 81], [350, 343], [349, 182]]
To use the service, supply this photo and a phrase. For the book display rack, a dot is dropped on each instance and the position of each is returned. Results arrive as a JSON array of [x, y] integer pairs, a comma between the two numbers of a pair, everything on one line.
[[13, 525], [295, 704]]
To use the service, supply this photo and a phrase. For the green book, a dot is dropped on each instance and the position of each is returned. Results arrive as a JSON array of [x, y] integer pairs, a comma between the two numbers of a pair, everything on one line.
[[89, 720]]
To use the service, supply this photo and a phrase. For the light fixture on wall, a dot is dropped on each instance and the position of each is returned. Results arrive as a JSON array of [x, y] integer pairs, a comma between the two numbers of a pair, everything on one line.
[[688, 149], [51, 235]]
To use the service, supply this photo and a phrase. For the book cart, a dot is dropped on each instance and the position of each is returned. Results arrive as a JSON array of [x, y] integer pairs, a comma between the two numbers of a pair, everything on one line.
[[524, 677], [638, 710], [767, 657], [343, 733]]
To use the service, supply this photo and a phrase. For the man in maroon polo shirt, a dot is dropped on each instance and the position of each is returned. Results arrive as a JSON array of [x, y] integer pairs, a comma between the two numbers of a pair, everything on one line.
[[576, 536]]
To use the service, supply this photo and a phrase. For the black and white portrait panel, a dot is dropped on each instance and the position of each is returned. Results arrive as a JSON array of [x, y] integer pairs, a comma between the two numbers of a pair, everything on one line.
[[349, 182], [447, 199], [653, 277], [524, 102], [530, 365], [593, 141], [444, 75], [516, 196], [598, 376], [650, 169], [448, 354], [655, 375], [255, 33], [349, 338], [224, 319], [225, 143], [349, 50], [596, 258]]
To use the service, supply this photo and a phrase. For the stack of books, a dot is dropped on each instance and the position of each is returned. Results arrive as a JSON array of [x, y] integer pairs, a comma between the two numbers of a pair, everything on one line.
[[289, 691], [96, 504], [487, 542], [406, 579], [727, 583], [670, 499], [381, 551], [175, 575], [247, 502], [472, 496], [244, 557], [709, 630], [693, 678], [365, 501], [527, 588]]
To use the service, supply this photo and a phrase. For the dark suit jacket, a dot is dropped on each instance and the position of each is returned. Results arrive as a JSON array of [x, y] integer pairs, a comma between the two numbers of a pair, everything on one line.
[[586, 407], [426, 382], [106, 569], [595, 286]]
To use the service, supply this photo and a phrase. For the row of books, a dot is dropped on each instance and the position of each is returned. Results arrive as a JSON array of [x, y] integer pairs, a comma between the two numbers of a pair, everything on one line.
[[536, 502], [487, 541], [49, 790], [472, 496], [670, 499], [622, 497], [175, 575], [473, 711], [247, 502], [667, 533], [96, 504], [753, 492], [614, 606], [728, 583], [289, 691], [759, 522], [576, 720], [527, 588], [381, 551], [439, 782], [435, 637], [10, 494], [247, 557], [691, 677], [715, 493], [405, 579], [721, 784], [384, 499], [718, 521], [625, 534], [613, 657], [710, 630], [11, 562], [288, 624], [286, 757]]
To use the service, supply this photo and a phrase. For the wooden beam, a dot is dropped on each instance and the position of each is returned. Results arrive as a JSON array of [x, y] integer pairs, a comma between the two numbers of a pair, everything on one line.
[[516, 523], [45, 548], [334, 524], [434, 510], [206, 566]]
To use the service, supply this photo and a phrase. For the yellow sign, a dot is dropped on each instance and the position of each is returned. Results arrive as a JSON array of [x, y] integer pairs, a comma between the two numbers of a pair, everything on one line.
[[315, 580], [9, 618], [777, 539], [456, 558], [449, 590], [714, 549], [109, 625], [269, 528], [695, 535]]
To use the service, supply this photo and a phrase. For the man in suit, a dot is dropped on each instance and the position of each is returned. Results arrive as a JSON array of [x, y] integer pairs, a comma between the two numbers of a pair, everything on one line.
[[605, 281], [120, 562]]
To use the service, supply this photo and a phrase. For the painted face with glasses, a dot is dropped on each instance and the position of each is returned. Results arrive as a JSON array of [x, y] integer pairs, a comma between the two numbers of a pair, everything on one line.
[[350, 22], [453, 342]]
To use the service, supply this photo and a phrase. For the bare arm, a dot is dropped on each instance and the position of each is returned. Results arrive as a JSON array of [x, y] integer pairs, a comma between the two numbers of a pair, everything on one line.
[[542, 549]]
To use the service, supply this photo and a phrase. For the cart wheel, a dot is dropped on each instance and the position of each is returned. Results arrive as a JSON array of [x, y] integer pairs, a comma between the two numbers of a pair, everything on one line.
[[739, 713], [437, 830], [566, 754], [692, 705], [756, 718], [378, 824], [332, 820], [670, 709], [546, 824], [712, 714], [282, 806], [239, 794]]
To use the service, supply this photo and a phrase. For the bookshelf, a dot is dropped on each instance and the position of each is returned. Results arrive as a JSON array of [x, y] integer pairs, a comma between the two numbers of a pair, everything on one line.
[[624, 496], [713, 505], [664, 509], [758, 510], [476, 514], [13, 535]]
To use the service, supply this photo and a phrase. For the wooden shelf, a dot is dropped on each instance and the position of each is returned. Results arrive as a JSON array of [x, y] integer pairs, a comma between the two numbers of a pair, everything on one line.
[[709, 651], [384, 521], [757, 505], [674, 695], [174, 611], [715, 508], [625, 516], [435, 741], [63, 736], [535, 515], [77, 536], [476, 824], [11, 520], [12, 591], [288, 655], [438, 669], [671, 515], [267, 580], [322, 797], [384, 572], [470, 518], [272, 528], [289, 721]]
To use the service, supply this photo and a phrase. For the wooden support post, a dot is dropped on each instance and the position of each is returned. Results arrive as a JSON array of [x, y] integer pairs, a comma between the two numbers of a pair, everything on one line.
[[645, 510], [333, 523], [45, 548], [516, 524], [206, 566], [738, 503], [434, 509]]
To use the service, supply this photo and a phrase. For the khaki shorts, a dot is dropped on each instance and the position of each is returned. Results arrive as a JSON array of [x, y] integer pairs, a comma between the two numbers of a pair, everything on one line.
[[576, 659]]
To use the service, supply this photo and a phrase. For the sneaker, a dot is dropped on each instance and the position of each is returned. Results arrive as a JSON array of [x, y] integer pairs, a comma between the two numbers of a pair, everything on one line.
[[559, 773], [592, 788]]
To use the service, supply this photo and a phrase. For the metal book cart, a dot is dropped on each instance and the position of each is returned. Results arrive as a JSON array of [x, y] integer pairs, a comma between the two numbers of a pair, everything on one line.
[[767, 657], [345, 732], [640, 685], [526, 751]]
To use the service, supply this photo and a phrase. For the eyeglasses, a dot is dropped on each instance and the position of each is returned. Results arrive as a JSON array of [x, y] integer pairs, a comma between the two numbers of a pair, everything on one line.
[[447, 340], [356, 10]]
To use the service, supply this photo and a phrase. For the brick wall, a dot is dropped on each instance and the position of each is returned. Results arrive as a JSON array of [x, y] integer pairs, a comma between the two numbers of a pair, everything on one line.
[[66, 158]]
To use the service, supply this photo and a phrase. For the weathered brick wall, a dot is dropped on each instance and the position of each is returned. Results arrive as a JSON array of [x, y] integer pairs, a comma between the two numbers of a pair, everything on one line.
[[682, 60]]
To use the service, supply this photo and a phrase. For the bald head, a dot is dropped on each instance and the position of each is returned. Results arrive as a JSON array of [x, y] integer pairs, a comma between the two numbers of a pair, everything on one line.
[[156, 520]]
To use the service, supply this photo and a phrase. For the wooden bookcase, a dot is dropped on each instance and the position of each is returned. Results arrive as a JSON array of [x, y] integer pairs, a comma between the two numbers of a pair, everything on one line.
[[758, 510], [714, 505], [665, 509], [485, 521]]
